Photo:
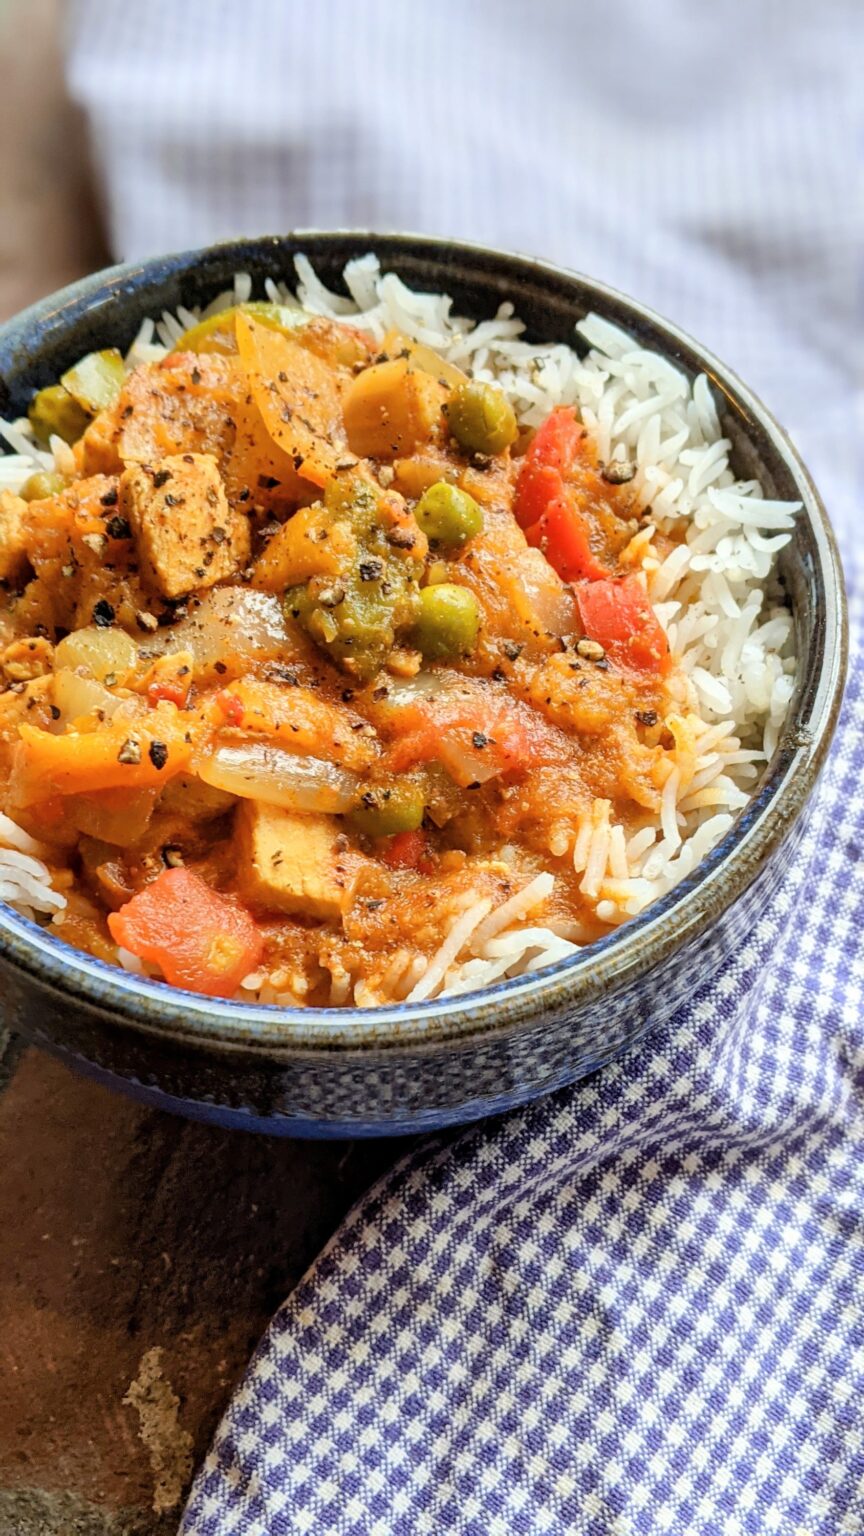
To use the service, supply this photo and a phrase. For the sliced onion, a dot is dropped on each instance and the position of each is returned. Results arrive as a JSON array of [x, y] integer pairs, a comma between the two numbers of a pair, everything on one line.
[[100, 651], [551, 600], [232, 626], [424, 358], [100, 817], [464, 762], [75, 696], [402, 691], [256, 771]]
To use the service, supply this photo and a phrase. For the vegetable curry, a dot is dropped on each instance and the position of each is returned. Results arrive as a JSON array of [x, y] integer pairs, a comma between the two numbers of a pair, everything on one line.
[[313, 643]]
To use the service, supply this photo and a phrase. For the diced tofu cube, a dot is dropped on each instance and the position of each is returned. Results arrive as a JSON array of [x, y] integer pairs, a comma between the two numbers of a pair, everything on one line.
[[291, 863], [13, 538], [186, 534]]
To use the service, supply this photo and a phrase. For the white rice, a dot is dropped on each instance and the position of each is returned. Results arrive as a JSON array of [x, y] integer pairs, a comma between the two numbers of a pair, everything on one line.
[[25, 879], [714, 594]]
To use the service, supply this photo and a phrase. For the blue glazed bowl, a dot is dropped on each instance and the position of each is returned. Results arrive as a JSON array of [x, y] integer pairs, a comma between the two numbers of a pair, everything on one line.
[[347, 1072]]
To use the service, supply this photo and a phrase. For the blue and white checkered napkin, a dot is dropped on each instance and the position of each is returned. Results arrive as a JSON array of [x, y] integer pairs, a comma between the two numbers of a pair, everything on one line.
[[634, 1308]]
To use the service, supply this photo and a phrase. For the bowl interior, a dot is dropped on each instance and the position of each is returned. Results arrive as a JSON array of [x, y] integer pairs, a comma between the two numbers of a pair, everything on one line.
[[107, 310]]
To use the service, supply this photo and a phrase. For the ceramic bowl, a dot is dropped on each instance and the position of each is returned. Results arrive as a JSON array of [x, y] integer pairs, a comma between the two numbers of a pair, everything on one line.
[[414, 1067]]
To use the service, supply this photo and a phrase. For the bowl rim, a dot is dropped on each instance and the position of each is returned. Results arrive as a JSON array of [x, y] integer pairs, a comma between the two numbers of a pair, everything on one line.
[[503, 1009]]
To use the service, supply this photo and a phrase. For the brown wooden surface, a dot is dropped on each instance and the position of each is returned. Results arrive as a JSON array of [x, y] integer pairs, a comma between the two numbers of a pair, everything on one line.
[[139, 1252], [50, 230], [140, 1256]]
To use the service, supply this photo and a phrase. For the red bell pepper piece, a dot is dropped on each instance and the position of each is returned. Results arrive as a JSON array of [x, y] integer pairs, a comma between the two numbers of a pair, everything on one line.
[[405, 850], [174, 692], [538, 484], [544, 507], [550, 457], [230, 706], [618, 615], [560, 535], [556, 441]]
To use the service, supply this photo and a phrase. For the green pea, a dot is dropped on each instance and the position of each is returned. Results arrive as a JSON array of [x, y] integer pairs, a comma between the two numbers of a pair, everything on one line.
[[43, 484], [481, 417], [54, 411], [448, 515], [448, 621], [386, 810]]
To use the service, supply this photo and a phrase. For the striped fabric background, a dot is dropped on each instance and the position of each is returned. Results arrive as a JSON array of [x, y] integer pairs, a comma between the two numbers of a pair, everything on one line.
[[706, 158]]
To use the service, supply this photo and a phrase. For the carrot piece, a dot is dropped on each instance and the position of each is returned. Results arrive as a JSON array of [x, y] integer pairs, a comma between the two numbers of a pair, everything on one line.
[[119, 755], [297, 396], [618, 615], [201, 940], [305, 723], [309, 544]]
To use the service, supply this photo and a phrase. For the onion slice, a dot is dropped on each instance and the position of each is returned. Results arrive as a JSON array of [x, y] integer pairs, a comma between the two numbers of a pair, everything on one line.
[[258, 771]]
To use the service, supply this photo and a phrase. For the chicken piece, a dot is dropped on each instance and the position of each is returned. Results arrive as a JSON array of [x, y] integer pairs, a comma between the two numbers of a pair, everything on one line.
[[186, 534], [290, 863], [13, 538]]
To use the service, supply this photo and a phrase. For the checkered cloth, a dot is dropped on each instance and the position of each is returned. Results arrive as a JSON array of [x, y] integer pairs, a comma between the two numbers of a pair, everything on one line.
[[635, 1307]]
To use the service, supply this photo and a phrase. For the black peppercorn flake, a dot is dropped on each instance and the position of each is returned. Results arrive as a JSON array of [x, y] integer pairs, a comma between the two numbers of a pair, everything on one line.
[[103, 614], [158, 754]]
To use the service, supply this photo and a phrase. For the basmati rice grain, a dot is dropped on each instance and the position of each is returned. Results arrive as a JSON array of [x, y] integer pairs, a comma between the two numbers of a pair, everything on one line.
[[514, 908]]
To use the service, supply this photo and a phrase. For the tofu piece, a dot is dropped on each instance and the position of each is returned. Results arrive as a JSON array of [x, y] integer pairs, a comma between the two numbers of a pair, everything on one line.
[[186, 534], [13, 537], [290, 863]]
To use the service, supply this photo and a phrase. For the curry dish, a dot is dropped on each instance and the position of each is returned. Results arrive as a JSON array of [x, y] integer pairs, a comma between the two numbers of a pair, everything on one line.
[[310, 649]]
